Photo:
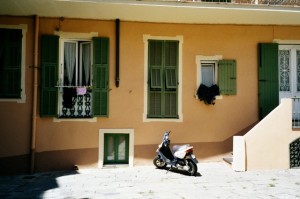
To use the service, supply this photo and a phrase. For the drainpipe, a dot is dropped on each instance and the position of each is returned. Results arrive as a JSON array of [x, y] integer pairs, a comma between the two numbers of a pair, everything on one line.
[[117, 80], [35, 88]]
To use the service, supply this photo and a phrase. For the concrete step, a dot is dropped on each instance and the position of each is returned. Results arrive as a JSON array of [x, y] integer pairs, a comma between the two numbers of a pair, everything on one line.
[[228, 160]]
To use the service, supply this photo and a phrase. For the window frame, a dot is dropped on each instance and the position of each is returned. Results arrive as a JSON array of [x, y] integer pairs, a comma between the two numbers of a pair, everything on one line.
[[23, 28], [178, 38], [78, 37], [201, 59], [214, 66], [78, 62]]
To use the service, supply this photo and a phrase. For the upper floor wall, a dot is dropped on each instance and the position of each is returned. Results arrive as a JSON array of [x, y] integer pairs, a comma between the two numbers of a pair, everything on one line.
[[199, 122]]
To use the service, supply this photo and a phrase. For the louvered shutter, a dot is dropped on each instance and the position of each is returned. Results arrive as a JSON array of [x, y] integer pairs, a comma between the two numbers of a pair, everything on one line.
[[227, 77], [162, 79], [155, 60], [155, 64], [100, 76], [49, 75], [170, 66], [171, 63], [10, 63], [268, 83]]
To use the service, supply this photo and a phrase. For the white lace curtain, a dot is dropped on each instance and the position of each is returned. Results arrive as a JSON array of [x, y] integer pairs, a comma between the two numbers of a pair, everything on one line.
[[86, 61], [70, 59]]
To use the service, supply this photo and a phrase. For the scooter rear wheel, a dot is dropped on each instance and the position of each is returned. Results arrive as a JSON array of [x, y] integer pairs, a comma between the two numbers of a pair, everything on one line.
[[159, 163]]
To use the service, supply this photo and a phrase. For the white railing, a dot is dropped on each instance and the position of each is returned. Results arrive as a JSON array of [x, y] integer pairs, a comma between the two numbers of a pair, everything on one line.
[[296, 112]]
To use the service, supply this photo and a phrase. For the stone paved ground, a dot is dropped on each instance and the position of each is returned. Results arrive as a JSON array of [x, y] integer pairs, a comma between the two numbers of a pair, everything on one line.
[[215, 180]]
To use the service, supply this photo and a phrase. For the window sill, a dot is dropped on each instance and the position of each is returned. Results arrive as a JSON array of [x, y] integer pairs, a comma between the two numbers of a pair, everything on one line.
[[179, 119], [218, 97], [17, 100], [94, 119]]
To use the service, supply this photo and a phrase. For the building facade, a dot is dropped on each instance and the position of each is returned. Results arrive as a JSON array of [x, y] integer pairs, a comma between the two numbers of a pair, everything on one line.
[[91, 92]]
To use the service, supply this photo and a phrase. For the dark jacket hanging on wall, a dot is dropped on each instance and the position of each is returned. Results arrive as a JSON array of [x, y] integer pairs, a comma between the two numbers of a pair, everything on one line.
[[208, 94]]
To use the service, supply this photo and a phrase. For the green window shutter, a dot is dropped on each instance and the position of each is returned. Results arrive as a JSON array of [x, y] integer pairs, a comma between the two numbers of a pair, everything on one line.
[[155, 81], [171, 64], [163, 79], [100, 76], [155, 64], [155, 100], [227, 77], [171, 105], [155, 77], [10, 63], [171, 78], [268, 83], [49, 75]]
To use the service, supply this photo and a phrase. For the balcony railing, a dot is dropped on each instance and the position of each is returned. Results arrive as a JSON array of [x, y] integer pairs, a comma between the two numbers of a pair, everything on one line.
[[78, 105], [252, 2]]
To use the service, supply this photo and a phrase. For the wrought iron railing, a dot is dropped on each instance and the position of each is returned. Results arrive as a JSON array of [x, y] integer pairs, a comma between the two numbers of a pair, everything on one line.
[[252, 2], [80, 107], [296, 112]]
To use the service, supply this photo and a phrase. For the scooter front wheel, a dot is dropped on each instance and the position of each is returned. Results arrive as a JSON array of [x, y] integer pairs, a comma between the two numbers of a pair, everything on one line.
[[159, 163], [192, 168]]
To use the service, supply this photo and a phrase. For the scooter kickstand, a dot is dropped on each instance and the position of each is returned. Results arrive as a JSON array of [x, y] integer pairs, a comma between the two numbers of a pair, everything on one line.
[[169, 169]]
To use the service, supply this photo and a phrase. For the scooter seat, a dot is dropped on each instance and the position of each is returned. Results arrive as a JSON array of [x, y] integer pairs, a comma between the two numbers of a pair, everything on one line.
[[180, 147]]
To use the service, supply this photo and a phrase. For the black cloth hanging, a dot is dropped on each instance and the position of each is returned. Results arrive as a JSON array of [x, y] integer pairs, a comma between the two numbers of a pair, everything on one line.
[[208, 94], [68, 95]]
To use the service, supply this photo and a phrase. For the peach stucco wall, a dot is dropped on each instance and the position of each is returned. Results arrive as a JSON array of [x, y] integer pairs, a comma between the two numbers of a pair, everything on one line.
[[15, 118], [201, 123], [267, 144]]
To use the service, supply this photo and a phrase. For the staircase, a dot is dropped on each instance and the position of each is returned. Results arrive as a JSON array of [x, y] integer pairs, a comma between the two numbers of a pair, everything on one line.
[[266, 145]]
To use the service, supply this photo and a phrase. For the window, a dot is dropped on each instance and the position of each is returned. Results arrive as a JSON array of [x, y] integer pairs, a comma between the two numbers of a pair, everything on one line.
[[163, 79], [12, 53], [116, 146], [74, 84], [208, 73], [77, 63], [214, 70]]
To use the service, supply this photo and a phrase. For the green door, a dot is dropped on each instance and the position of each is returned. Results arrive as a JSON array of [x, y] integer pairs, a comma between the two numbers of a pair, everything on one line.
[[116, 148], [268, 85]]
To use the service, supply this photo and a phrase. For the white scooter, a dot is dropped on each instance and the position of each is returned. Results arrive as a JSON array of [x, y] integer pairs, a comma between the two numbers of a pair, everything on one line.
[[182, 159]]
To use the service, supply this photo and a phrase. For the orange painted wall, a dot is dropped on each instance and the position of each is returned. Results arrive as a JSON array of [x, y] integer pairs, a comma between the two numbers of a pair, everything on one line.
[[15, 118], [201, 123]]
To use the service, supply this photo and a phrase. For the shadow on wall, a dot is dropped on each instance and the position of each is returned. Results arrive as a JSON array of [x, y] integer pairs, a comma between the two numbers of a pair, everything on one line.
[[204, 151], [14, 165], [65, 160]]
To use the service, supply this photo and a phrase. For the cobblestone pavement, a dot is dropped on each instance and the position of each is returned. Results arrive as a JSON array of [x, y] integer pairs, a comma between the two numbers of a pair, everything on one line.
[[215, 180]]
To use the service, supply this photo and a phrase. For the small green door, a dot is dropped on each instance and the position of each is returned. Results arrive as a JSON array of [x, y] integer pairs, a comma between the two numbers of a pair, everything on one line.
[[116, 148]]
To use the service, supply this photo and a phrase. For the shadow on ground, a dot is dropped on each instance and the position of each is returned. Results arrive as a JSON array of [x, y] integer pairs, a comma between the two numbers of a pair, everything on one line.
[[30, 186], [182, 172]]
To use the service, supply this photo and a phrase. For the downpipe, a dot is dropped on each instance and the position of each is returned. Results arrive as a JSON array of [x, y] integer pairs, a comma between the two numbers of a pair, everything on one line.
[[35, 88], [117, 79]]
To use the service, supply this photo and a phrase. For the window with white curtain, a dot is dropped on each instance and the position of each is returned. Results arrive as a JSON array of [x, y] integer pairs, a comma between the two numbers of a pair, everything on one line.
[[76, 63]]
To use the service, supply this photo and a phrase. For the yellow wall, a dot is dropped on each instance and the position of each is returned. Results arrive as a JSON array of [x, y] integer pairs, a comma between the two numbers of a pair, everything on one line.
[[201, 123]]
